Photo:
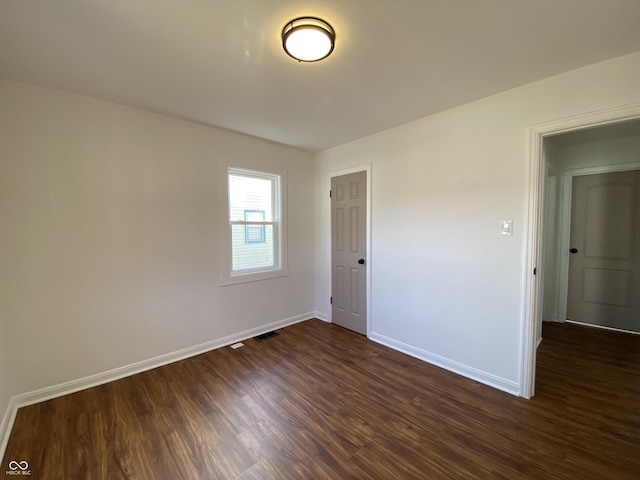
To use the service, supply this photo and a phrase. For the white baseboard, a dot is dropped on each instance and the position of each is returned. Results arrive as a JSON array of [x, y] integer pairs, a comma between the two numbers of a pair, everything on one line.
[[322, 316], [464, 370], [73, 386], [6, 425], [603, 327]]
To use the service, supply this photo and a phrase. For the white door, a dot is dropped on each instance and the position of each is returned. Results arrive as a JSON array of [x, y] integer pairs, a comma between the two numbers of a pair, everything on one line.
[[604, 263], [348, 251]]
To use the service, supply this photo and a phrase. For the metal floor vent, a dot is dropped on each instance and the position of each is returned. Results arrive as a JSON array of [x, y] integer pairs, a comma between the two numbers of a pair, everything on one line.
[[266, 336]]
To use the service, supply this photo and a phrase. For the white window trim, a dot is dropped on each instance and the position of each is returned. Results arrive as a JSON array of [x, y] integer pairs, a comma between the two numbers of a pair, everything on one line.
[[227, 277]]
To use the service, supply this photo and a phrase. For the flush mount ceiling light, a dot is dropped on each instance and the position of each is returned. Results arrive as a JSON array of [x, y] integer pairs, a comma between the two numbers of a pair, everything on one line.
[[308, 39]]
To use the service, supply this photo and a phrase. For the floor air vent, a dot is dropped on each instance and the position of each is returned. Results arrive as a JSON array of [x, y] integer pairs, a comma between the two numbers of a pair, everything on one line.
[[266, 336]]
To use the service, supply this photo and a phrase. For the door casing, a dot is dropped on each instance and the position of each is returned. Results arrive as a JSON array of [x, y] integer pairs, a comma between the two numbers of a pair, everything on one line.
[[370, 254], [348, 251], [534, 235]]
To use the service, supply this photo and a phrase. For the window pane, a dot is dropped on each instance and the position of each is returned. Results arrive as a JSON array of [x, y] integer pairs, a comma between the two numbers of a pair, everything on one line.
[[250, 194], [251, 255], [254, 233]]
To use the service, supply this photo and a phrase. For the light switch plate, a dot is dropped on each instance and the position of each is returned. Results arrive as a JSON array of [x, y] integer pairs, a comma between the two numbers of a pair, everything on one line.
[[506, 228]]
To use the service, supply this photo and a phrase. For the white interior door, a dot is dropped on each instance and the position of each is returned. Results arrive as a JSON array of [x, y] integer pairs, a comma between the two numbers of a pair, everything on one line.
[[348, 251], [604, 264]]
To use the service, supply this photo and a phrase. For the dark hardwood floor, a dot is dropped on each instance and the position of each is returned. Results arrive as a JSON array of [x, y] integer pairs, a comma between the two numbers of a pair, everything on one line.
[[321, 402]]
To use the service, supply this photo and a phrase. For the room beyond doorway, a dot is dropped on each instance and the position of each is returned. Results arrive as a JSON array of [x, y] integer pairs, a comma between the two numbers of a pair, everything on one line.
[[544, 266], [575, 181]]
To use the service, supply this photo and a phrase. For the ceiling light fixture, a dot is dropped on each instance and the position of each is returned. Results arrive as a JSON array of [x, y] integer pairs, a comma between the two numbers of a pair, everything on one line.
[[308, 39]]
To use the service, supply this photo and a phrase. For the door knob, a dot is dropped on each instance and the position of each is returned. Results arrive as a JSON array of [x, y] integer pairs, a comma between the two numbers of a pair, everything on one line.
[[574, 250], [361, 261]]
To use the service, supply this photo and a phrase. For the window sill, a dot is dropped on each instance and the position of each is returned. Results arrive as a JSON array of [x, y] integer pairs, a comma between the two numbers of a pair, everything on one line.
[[252, 277]]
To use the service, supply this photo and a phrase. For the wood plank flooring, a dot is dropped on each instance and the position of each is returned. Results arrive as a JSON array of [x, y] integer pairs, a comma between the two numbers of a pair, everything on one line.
[[321, 402]]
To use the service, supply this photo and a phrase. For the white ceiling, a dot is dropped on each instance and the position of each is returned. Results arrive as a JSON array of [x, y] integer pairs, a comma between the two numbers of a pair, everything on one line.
[[220, 62]]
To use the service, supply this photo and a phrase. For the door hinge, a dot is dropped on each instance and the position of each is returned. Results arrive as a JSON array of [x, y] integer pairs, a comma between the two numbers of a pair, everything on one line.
[[329, 193], [535, 270], [331, 300]]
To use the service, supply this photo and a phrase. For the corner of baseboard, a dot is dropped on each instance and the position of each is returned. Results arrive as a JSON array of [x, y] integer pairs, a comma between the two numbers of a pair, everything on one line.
[[6, 425], [322, 316]]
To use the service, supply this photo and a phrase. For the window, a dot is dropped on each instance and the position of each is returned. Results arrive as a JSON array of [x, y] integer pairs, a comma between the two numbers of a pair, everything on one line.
[[254, 226]]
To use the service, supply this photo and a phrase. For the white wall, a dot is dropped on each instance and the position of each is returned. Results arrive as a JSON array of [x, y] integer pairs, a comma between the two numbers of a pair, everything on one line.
[[612, 151], [551, 214], [445, 285], [110, 232]]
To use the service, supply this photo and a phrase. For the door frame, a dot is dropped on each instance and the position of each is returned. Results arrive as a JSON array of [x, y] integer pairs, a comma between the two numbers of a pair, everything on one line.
[[565, 223], [532, 303], [366, 168]]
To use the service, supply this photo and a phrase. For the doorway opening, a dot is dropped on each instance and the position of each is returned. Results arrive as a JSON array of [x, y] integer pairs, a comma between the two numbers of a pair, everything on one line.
[[545, 187]]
